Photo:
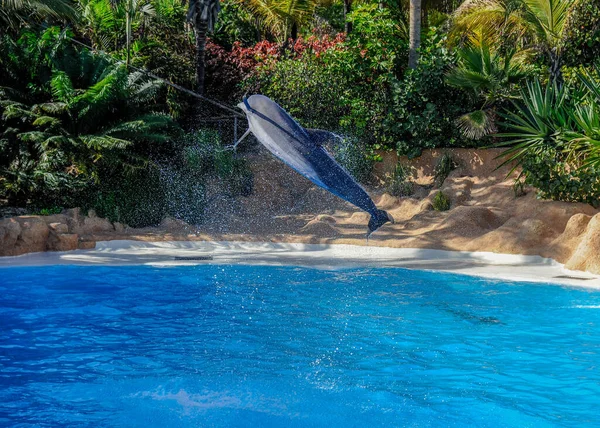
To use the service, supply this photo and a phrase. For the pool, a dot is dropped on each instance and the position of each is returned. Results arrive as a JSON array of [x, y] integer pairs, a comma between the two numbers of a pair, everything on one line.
[[223, 346]]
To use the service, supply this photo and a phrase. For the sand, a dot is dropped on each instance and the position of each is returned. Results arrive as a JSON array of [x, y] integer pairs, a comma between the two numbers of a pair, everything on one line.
[[485, 214]]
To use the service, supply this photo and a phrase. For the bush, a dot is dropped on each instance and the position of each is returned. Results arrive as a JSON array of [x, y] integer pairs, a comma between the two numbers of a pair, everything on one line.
[[307, 89], [558, 180], [174, 186], [424, 108], [582, 44], [553, 136], [444, 166], [441, 202], [400, 184]]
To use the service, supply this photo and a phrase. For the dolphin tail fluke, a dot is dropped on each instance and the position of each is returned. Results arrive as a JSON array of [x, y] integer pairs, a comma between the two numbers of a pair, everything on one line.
[[378, 219]]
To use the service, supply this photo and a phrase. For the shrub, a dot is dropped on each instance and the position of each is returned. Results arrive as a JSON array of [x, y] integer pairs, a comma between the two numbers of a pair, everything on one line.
[[553, 136], [67, 115], [173, 186], [557, 179], [400, 184], [441, 202], [582, 44], [444, 166], [307, 89]]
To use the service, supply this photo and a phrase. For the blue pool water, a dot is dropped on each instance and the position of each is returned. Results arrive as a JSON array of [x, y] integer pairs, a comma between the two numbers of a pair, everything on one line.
[[226, 346]]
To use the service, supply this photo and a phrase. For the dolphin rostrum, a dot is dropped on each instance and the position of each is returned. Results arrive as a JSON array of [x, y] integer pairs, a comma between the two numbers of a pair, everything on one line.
[[302, 149]]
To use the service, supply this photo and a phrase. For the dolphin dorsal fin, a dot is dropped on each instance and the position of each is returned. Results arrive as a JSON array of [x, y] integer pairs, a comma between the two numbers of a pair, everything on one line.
[[320, 137]]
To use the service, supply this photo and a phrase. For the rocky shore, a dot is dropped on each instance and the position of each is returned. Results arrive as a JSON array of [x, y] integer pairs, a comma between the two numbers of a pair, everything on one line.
[[485, 215]]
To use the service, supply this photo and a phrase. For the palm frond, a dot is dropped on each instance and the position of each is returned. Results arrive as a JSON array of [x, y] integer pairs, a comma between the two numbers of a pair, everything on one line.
[[477, 124]]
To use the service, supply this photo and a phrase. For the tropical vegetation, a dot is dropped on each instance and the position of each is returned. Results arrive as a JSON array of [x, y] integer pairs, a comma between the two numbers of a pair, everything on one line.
[[103, 103]]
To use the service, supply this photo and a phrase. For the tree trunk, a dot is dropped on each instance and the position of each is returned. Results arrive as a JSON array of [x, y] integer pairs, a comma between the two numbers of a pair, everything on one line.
[[415, 33], [556, 75], [128, 36], [347, 10], [200, 30]]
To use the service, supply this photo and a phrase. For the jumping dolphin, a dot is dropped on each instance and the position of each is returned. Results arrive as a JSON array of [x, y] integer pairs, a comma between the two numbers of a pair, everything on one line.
[[302, 149]]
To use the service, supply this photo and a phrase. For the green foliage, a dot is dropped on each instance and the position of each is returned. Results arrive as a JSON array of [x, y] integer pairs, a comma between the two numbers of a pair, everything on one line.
[[47, 211], [176, 187], [557, 179], [424, 108], [491, 77], [298, 85], [235, 24], [370, 95], [17, 13], [441, 202], [400, 183], [582, 44], [67, 115], [519, 187], [279, 16], [554, 135], [444, 166]]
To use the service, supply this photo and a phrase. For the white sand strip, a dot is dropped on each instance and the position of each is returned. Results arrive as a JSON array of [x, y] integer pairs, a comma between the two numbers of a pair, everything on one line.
[[169, 253]]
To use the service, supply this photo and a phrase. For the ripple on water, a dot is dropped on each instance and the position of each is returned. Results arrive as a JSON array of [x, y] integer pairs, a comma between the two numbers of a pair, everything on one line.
[[287, 346]]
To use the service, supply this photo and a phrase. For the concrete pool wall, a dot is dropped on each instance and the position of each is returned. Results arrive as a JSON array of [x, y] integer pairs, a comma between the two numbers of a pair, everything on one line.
[[170, 253]]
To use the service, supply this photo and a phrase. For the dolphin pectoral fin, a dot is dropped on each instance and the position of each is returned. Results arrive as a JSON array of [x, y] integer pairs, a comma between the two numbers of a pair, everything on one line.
[[240, 140]]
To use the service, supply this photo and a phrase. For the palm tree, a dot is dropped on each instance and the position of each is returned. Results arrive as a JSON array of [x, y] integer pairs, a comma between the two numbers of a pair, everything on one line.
[[538, 24], [282, 18], [13, 13], [415, 33], [104, 21], [347, 10], [490, 76], [202, 15]]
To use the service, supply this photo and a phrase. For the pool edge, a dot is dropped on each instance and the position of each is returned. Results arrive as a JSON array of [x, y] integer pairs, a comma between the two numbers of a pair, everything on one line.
[[482, 264]]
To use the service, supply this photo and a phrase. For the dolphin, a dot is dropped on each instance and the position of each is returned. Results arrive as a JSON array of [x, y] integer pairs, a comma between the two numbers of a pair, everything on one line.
[[303, 150]]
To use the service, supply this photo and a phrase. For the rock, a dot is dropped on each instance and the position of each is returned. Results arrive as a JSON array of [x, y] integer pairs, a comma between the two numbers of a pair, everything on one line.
[[74, 220], [472, 221], [458, 189], [58, 228], [55, 218], [10, 229], [576, 226], [33, 237], [326, 219], [319, 228], [95, 224], [173, 225], [587, 253], [86, 244], [426, 205], [63, 242]]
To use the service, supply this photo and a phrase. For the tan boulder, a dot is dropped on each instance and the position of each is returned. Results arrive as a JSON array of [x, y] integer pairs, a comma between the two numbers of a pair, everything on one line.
[[63, 242], [171, 224], [33, 237], [119, 227], [86, 244], [587, 253], [10, 229], [58, 228], [96, 224]]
